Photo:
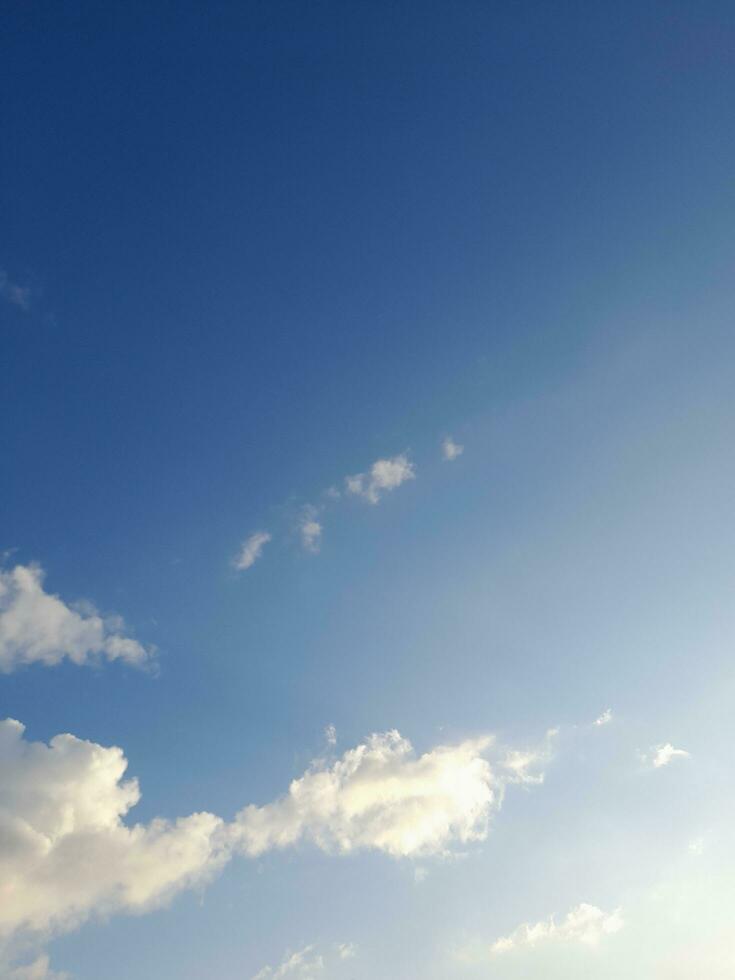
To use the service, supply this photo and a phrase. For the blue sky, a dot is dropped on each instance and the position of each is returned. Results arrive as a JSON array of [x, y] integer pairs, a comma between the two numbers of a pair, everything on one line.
[[261, 267]]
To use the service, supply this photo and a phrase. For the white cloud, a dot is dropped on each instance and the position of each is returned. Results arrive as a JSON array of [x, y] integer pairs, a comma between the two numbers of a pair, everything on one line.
[[450, 449], [308, 963], [67, 854], [36, 626], [605, 718], [19, 296], [380, 795], [251, 550], [384, 474], [310, 529], [662, 755], [584, 924], [305, 964], [520, 765], [330, 734]]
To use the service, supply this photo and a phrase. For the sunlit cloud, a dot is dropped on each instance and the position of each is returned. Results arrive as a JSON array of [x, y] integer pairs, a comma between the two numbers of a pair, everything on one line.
[[605, 718], [39, 627], [662, 755], [584, 924], [67, 852]]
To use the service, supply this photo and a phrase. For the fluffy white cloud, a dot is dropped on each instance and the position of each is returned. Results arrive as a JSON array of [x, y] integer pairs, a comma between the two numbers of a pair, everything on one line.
[[330, 734], [251, 550], [36, 626], [605, 718], [380, 795], [451, 449], [583, 924], [307, 963], [66, 852], [64, 849], [662, 755], [384, 474]]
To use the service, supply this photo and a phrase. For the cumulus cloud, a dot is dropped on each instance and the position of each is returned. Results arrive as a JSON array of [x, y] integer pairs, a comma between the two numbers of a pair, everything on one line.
[[67, 853], [36, 626], [451, 449], [605, 718], [307, 963], [251, 550], [382, 796], [662, 755], [384, 475], [584, 924]]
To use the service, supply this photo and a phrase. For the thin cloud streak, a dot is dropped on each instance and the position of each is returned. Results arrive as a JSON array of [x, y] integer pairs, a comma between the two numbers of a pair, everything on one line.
[[251, 550], [585, 924]]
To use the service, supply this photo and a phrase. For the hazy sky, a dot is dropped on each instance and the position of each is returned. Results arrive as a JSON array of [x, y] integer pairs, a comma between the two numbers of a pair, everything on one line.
[[366, 427]]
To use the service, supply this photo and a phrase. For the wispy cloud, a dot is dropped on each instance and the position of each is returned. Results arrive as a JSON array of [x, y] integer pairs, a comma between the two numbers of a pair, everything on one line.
[[605, 718], [662, 755], [451, 449], [251, 550], [383, 475], [39, 969], [14, 294], [584, 924], [38, 627], [310, 529], [307, 963]]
